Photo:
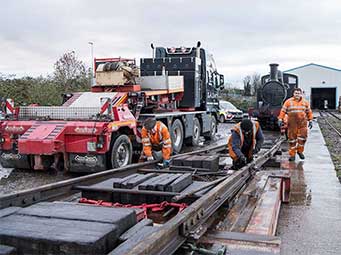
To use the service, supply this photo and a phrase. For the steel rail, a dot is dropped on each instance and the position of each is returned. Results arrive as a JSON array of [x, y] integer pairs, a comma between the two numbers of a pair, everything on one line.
[[333, 114], [57, 190], [331, 125], [175, 232]]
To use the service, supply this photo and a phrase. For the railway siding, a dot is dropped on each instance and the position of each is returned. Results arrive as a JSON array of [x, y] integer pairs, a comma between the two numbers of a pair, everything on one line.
[[329, 124]]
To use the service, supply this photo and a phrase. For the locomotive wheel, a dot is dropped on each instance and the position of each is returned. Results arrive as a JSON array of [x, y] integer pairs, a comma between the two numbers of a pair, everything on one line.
[[177, 135], [121, 152]]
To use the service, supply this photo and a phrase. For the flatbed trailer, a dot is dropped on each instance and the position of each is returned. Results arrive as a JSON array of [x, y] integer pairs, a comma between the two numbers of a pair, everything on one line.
[[99, 130]]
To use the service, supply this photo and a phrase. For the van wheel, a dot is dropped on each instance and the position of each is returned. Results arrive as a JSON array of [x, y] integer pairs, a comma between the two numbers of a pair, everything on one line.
[[177, 135], [121, 152]]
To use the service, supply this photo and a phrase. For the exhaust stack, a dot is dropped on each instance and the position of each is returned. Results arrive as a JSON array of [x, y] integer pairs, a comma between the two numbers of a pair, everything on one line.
[[153, 50], [273, 72], [198, 49]]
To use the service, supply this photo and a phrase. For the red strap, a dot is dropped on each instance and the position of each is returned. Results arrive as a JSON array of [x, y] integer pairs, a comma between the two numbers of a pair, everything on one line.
[[153, 207]]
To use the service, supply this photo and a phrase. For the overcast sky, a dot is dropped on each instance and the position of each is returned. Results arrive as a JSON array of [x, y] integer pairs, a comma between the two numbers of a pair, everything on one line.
[[243, 36]]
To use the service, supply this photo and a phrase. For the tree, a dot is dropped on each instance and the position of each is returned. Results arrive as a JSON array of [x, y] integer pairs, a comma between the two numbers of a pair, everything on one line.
[[71, 73], [251, 84], [247, 85], [255, 83]]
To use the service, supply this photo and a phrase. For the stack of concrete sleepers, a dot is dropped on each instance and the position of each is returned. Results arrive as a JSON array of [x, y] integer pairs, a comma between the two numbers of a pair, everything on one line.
[[140, 186], [63, 228], [208, 163]]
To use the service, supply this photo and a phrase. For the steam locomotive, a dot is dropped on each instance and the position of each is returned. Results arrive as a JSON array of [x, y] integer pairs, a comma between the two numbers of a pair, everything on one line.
[[275, 88]]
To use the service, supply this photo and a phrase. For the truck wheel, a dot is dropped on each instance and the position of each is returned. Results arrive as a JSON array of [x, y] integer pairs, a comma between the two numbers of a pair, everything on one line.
[[222, 118], [210, 135], [121, 152], [177, 135], [195, 139]]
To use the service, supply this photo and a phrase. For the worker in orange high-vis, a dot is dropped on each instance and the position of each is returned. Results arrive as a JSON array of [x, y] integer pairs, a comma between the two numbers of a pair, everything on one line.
[[156, 141], [299, 113], [246, 139]]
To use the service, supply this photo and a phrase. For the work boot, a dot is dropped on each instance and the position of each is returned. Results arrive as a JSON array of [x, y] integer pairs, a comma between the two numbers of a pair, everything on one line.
[[300, 154], [292, 158]]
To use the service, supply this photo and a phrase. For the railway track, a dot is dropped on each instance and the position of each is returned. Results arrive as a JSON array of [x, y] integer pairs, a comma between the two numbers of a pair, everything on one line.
[[325, 114], [214, 188], [335, 115]]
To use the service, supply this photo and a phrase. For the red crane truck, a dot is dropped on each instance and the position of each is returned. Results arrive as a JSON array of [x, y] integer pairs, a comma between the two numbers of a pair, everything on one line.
[[98, 130]]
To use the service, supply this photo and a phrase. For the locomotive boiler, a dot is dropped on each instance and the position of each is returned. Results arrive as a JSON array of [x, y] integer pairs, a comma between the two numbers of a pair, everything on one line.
[[275, 88]]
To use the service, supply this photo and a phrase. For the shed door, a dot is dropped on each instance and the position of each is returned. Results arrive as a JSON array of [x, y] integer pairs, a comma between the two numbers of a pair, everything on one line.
[[321, 97]]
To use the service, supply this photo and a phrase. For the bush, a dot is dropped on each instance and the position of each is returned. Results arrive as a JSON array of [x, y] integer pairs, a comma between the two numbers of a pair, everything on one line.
[[242, 103]]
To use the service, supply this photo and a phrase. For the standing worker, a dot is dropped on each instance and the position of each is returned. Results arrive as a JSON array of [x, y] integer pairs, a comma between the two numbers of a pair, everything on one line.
[[156, 141], [246, 140], [299, 112]]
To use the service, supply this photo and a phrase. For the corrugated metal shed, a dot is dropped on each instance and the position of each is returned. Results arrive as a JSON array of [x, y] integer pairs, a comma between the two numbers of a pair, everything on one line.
[[319, 82]]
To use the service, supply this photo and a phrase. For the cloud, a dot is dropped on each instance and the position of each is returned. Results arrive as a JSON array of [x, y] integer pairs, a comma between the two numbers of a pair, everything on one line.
[[244, 36]]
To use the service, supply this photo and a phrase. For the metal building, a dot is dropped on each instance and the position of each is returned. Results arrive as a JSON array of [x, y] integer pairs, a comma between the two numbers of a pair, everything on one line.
[[321, 85]]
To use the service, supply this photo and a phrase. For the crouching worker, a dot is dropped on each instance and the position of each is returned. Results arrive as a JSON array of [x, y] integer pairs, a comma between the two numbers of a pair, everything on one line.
[[156, 141], [246, 140]]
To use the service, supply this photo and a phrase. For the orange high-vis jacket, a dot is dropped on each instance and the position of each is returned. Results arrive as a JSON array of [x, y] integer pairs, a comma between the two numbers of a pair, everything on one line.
[[298, 110], [159, 136]]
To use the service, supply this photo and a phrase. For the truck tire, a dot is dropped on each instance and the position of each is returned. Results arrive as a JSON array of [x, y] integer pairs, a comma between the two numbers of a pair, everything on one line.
[[211, 134], [195, 139], [121, 152], [177, 135]]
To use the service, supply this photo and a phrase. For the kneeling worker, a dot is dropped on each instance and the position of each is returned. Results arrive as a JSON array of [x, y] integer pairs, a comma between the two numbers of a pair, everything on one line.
[[246, 139], [156, 141]]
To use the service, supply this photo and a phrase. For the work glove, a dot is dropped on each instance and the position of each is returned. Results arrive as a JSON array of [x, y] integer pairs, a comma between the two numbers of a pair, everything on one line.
[[166, 163], [310, 125], [150, 158], [280, 123], [243, 159], [256, 149]]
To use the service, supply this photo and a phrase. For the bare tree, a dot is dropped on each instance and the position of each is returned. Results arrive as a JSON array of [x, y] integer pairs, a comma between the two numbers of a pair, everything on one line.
[[71, 73], [255, 83], [247, 85], [251, 84]]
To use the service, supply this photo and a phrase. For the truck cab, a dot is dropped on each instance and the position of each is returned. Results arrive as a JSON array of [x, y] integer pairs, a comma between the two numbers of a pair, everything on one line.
[[198, 67]]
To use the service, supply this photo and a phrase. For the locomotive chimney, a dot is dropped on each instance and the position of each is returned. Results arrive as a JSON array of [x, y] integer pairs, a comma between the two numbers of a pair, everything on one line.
[[274, 72]]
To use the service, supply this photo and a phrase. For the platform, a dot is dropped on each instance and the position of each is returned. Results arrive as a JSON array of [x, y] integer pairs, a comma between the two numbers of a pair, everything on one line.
[[311, 222]]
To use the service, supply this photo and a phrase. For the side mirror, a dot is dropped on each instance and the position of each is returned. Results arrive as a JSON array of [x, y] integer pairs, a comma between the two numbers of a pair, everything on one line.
[[221, 80]]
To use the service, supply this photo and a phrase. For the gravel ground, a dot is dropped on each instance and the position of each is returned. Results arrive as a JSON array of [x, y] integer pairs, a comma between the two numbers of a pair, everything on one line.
[[19, 179], [333, 141]]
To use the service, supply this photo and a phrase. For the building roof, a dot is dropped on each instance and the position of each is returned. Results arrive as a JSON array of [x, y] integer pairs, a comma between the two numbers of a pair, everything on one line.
[[312, 64]]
